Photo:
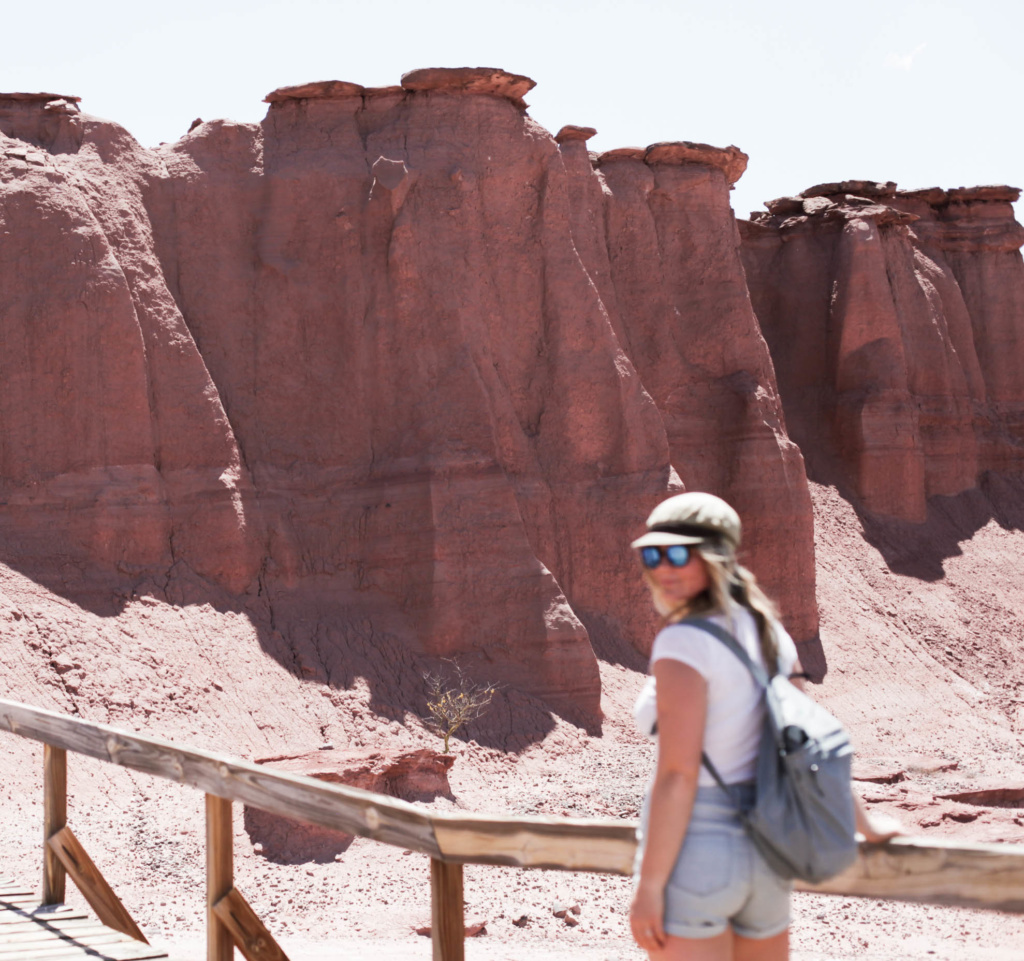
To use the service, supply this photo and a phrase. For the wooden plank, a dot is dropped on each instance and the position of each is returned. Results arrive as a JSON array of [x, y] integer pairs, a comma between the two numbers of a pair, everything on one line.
[[561, 843], [447, 917], [68, 926], [335, 806], [127, 951], [935, 871], [248, 932], [219, 876], [40, 932], [102, 936], [55, 817], [93, 885], [48, 914]]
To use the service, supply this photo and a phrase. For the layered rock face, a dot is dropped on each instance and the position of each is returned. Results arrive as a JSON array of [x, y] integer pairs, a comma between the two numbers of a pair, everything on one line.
[[384, 367], [894, 320], [656, 233], [116, 456]]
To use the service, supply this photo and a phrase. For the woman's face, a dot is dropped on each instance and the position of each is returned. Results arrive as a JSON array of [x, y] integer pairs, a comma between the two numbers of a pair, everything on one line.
[[678, 585]]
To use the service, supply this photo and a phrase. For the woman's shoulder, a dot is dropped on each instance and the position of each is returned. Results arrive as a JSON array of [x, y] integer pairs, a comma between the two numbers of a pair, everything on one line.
[[686, 642]]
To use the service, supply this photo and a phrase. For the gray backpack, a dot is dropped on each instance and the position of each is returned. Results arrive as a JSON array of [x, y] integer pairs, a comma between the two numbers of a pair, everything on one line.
[[803, 819]]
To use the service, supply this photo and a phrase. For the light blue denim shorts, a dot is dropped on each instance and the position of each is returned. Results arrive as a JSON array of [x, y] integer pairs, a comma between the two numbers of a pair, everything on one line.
[[720, 879]]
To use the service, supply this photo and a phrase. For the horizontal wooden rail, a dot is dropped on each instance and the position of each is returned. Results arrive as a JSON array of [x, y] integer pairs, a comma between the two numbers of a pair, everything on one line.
[[910, 869], [561, 843]]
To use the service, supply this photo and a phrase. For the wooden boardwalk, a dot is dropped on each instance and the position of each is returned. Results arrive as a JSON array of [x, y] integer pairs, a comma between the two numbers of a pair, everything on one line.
[[30, 931]]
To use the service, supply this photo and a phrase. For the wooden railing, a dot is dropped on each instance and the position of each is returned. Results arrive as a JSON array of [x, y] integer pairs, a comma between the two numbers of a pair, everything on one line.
[[911, 869]]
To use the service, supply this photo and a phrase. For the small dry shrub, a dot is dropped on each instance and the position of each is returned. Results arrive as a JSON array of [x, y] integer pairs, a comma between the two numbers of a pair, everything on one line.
[[453, 700]]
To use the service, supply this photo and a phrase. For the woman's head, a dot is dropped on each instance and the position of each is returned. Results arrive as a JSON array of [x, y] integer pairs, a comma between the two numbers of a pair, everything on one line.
[[689, 559], [689, 553]]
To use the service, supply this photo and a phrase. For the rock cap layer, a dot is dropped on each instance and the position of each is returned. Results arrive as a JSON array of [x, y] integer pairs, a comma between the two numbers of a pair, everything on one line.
[[985, 192], [935, 196], [621, 153], [572, 132], [316, 90], [39, 97], [730, 160], [483, 80], [862, 188]]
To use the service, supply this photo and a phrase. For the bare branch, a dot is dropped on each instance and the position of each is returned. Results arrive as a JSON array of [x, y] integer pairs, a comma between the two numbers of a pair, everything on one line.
[[453, 701]]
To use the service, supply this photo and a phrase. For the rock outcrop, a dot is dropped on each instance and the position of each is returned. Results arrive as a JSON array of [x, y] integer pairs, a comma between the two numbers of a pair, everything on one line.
[[894, 320], [410, 394], [399, 374], [656, 233], [417, 775]]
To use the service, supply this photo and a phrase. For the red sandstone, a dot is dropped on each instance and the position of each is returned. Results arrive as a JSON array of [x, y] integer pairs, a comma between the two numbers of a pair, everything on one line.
[[292, 409]]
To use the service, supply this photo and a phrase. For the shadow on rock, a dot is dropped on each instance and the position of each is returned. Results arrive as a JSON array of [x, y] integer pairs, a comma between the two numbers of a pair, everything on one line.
[[919, 550]]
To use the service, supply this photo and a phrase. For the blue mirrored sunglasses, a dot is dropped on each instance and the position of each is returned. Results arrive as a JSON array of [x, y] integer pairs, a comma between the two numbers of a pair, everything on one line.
[[678, 555]]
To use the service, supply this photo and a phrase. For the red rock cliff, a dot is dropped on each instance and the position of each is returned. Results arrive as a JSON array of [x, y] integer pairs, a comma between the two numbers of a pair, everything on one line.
[[894, 320], [393, 365]]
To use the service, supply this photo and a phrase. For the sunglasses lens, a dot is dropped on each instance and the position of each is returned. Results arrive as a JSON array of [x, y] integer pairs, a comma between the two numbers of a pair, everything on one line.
[[650, 556], [678, 555]]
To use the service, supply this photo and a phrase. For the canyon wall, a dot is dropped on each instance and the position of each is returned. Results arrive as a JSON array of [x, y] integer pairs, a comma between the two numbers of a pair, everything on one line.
[[398, 374], [393, 371], [896, 322]]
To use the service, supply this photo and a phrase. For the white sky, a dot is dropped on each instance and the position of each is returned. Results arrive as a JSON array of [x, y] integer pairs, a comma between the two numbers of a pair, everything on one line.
[[923, 92]]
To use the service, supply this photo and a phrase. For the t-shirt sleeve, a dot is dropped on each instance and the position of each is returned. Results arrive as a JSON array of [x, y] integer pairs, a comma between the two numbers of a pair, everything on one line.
[[689, 645], [787, 650]]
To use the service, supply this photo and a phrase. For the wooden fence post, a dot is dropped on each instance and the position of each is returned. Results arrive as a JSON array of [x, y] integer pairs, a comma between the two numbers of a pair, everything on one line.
[[219, 876], [447, 921], [55, 818]]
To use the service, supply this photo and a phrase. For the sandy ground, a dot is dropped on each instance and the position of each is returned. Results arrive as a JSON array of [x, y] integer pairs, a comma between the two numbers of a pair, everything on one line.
[[922, 629]]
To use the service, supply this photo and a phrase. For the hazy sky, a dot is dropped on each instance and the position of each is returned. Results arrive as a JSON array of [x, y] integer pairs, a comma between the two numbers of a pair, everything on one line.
[[923, 93]]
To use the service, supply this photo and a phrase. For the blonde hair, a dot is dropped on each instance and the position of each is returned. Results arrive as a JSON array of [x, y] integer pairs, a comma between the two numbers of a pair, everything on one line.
[[728, 583]]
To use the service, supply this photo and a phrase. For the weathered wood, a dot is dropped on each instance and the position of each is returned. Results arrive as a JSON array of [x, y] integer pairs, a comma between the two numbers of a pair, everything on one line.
[[335, 806], [93, 885], [16, 934], [538, 842], [125, 951], [101, 935], [55, 817], [935, 871], [447, 915], [50, 914], [59, 933], [250, 935], [913, 869], [220, 875]]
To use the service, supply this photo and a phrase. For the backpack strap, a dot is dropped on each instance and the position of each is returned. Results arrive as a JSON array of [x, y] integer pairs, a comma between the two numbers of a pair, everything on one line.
[[710, 627]]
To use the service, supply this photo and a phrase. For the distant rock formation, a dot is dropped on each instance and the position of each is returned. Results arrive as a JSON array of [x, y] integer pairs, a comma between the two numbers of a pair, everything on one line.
[[656, 234], [896, 322], [405, 372]]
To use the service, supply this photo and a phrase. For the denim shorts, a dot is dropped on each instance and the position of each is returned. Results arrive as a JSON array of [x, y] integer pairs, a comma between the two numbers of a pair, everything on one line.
[[720, 879]]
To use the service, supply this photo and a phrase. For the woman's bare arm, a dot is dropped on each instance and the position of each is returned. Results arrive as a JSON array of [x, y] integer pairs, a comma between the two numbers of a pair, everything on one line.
[[682, 707]]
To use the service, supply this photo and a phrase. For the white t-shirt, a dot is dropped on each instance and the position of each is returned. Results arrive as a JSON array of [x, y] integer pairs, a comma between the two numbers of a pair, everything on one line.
[[735, 718]]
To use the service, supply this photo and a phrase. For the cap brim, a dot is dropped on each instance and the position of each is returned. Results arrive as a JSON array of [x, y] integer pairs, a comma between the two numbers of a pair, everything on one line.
[[663, 539]]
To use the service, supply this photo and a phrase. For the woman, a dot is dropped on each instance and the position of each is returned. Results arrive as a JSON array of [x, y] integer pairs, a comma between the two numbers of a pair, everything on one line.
[[703, 892]]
